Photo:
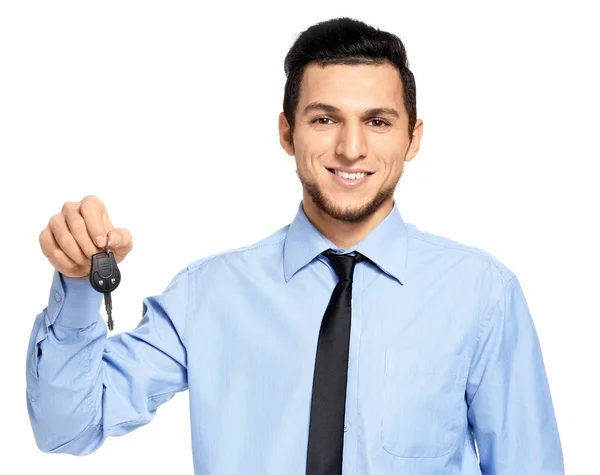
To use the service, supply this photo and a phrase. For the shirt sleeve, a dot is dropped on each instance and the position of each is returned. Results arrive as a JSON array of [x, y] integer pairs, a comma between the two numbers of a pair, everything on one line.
[[510, 406], [82, 386]]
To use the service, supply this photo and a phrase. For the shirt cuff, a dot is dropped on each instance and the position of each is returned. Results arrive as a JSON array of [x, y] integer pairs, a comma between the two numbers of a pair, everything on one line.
[[72, 302]]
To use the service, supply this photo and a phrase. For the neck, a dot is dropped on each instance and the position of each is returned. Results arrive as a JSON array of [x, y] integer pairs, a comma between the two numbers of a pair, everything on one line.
[[342, 233]]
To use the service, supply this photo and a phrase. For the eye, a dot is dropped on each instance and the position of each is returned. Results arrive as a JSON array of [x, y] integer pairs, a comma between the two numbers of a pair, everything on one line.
[[380, 121], [320, 118]]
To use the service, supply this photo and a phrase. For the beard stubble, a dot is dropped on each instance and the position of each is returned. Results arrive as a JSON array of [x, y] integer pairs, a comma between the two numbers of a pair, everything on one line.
[[347, 214]]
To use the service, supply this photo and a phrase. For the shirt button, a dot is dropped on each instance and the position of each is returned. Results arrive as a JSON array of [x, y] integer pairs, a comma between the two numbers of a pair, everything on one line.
[[57, 296], [346, 427]]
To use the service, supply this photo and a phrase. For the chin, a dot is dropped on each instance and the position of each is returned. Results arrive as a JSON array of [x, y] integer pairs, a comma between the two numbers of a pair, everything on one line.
[[339, 208], [355, 212]]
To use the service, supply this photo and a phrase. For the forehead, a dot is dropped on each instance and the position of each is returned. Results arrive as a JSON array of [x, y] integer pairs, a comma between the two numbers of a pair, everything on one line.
[[358, 85]]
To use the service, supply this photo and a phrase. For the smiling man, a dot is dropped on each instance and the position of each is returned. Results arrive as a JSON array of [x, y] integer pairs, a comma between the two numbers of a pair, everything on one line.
[[347, 342]]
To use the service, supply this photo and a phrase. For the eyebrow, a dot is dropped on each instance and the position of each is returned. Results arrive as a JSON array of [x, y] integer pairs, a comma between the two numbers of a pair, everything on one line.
[[332, 109]]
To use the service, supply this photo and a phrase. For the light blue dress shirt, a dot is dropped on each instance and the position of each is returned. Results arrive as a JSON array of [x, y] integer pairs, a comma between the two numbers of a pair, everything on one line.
[[443, 352]]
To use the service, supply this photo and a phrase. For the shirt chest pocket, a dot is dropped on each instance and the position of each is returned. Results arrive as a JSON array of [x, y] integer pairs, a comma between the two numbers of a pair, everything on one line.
[[424, 408]]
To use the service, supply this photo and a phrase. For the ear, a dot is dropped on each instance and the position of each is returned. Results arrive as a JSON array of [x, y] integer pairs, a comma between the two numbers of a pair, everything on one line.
[[285, 136], [416, 141]]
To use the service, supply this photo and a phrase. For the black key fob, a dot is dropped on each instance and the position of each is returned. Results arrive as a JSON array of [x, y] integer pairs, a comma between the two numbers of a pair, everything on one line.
[[104, 274]]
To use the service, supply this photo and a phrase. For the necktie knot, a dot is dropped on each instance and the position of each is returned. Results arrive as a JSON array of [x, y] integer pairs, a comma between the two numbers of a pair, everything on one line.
[[343, 264]]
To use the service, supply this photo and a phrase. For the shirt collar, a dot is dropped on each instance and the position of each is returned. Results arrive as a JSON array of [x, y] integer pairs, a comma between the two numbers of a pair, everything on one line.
[[386, 245]]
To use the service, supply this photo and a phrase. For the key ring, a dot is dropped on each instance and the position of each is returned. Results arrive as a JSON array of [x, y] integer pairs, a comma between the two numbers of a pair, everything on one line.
[[108, 244]]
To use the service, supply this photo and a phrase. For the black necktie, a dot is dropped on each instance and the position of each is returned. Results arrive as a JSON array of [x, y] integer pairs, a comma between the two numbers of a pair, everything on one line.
[[326, 433]]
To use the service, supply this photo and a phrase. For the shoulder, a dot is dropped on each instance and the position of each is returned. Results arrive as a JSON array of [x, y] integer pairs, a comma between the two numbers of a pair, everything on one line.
[[465, 256], [265, 247]]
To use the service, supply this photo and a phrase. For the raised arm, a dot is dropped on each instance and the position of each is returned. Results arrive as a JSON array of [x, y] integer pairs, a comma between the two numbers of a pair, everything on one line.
[[83, 387]]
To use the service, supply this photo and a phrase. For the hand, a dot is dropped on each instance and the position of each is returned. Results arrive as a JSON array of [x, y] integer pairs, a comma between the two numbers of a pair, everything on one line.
[[79, 231]]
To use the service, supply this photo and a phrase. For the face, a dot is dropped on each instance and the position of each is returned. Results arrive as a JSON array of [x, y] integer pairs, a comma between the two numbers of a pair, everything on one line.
[[350, 139]]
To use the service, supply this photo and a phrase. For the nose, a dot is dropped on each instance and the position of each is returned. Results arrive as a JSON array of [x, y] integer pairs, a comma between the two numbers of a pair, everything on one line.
[[351, 142]]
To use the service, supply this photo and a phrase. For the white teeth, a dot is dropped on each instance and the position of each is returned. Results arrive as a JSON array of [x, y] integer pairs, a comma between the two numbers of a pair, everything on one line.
[[351, 176]]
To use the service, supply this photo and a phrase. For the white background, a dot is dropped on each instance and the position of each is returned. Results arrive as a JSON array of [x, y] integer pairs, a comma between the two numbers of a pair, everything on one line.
[[168, 112]]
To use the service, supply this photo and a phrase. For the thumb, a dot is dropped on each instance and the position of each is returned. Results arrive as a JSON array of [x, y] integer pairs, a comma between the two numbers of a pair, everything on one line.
[[119, 238]]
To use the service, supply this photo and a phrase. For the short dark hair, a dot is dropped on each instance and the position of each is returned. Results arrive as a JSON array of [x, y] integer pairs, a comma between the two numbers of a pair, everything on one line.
[[346, 41]]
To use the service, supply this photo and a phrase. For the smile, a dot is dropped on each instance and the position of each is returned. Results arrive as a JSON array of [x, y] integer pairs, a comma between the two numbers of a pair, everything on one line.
[[351, 179]]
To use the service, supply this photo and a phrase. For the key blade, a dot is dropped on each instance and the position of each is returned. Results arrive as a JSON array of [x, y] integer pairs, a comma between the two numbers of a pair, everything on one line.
[[108, 305]]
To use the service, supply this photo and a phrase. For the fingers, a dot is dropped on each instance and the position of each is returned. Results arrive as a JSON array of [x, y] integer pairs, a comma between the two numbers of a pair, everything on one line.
[[93, 211], [77, 227], [57, 257], [65, 240]]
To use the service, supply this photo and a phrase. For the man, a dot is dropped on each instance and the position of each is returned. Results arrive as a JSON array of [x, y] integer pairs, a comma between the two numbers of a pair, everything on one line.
[[346, 342]]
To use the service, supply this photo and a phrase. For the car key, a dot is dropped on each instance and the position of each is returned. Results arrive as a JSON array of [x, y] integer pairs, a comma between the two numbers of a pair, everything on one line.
[[105, 278]]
